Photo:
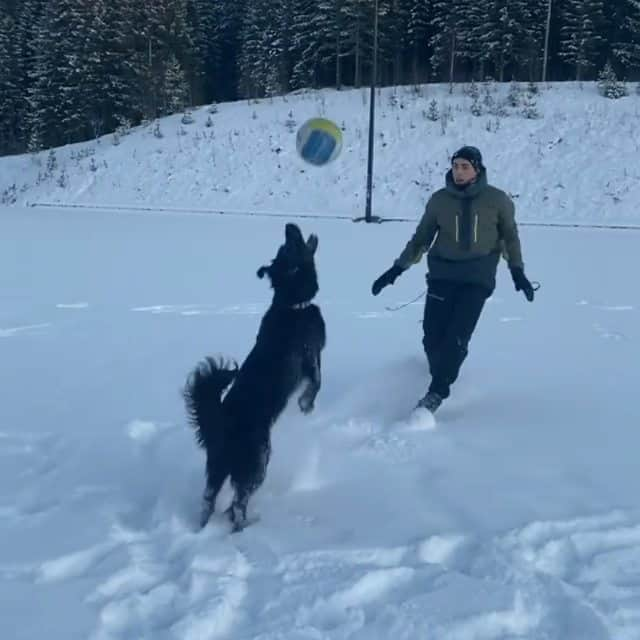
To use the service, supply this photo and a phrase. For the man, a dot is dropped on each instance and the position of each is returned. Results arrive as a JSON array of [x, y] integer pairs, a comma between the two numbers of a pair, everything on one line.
[[464, 229]]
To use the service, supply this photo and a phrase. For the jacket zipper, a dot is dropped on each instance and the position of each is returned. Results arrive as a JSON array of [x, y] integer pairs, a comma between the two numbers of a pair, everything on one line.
[[475, 229], [457, 228]]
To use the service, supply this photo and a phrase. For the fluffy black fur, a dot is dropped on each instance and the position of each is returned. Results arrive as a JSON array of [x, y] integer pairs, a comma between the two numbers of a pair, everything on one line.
[[235, 431]]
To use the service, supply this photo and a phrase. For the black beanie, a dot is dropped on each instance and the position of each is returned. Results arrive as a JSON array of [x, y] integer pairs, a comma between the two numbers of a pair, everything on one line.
[[472, 154]]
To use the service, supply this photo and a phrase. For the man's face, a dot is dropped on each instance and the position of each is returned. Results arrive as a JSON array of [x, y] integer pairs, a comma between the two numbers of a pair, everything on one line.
[[463, 171]]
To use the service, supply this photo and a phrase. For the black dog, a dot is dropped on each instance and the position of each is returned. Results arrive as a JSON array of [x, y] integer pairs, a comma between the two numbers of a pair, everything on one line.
[[235, 432]]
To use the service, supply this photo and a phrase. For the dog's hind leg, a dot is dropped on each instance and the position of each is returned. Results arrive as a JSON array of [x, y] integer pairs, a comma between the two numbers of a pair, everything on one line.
[[216, 475], [246, 480]]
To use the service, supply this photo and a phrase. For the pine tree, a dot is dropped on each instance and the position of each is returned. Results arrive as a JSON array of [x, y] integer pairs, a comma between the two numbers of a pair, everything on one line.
[[304, 44], [581, 34], [534, 26], [24, 45], [165, 33], [392, 38], [175, 91], [453, 34], [331, 34], [207, 54], [9, 80], [56, 93], [9, 89], [418, 35], [507, 35], [39, 116], [624, 36], [277, 47], [252, 62], [228, 20], [320, 40], [359, 21], [609, 85], [119, 57], [448, 34], [89, 71]]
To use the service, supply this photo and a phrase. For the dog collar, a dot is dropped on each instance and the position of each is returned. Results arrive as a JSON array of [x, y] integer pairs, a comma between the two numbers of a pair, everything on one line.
[[301, 305]]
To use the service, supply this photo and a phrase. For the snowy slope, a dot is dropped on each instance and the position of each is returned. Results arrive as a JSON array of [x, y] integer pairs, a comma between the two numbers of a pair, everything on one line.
[[576, 163], [518, 516]]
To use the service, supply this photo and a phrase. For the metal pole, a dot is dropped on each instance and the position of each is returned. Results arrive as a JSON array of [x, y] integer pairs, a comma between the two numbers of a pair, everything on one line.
[[372, 109]]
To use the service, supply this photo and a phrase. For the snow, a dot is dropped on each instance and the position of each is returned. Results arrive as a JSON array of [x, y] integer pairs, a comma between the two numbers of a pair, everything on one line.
[[514, 514], [584, 146]]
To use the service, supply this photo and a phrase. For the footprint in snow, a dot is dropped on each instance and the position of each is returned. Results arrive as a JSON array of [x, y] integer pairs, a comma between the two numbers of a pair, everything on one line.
[[180, 309], [29, 329], [348, 604], [73, 565], [370, 315], [202, 309], [174, 580], [39, 450], [607, 334], [619, 307], [607, 307], [597, 558], [145, 433]]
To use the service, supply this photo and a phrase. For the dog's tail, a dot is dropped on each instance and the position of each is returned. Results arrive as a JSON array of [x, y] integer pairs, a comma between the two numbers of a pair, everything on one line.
[[202, 395]]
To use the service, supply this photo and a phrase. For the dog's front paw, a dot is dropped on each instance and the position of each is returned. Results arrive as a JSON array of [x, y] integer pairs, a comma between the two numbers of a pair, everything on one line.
[[305, 402]]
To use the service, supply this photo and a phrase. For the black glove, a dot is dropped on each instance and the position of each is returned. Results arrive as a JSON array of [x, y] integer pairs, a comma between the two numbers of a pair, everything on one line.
[[387, 278], [522, 283]]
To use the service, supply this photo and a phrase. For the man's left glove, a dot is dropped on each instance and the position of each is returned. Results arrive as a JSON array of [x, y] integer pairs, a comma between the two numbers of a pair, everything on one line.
[[387, 278], [522, 283]]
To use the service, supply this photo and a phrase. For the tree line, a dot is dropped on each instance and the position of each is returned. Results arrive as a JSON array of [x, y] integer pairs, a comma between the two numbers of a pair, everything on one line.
[[71, 70]]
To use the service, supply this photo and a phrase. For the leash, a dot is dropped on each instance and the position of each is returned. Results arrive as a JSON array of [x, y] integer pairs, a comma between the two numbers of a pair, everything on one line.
[[406, 304], [534, 283]]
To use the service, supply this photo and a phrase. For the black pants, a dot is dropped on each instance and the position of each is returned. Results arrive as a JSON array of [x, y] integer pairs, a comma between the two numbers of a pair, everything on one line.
[[451, 313]]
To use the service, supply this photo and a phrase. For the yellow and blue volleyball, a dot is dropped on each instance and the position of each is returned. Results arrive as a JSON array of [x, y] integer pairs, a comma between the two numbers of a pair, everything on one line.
[[319, 141]]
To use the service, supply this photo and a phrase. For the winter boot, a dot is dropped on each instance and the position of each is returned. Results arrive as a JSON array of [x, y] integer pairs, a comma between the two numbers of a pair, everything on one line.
[[431, 401]]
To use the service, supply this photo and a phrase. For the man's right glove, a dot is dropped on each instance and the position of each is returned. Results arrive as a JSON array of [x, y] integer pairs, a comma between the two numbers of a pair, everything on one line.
[[387, 278], [522, 283]]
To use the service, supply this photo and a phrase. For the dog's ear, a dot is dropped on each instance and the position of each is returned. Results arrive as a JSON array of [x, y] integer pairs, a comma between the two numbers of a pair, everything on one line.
[[312, 243], [293, 235]]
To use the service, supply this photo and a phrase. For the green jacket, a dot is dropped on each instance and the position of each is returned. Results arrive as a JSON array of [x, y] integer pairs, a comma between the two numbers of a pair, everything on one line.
[[464, 232]]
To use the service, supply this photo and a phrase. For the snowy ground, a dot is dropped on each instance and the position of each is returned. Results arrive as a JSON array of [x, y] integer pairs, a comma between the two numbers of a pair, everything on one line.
[[518, 516]]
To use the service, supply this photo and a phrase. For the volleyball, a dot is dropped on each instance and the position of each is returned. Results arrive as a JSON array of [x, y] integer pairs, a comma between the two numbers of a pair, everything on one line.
[[319, 141]]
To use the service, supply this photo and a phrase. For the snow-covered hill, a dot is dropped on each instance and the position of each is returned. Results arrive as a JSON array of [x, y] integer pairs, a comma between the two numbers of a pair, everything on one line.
[[577, 162]]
